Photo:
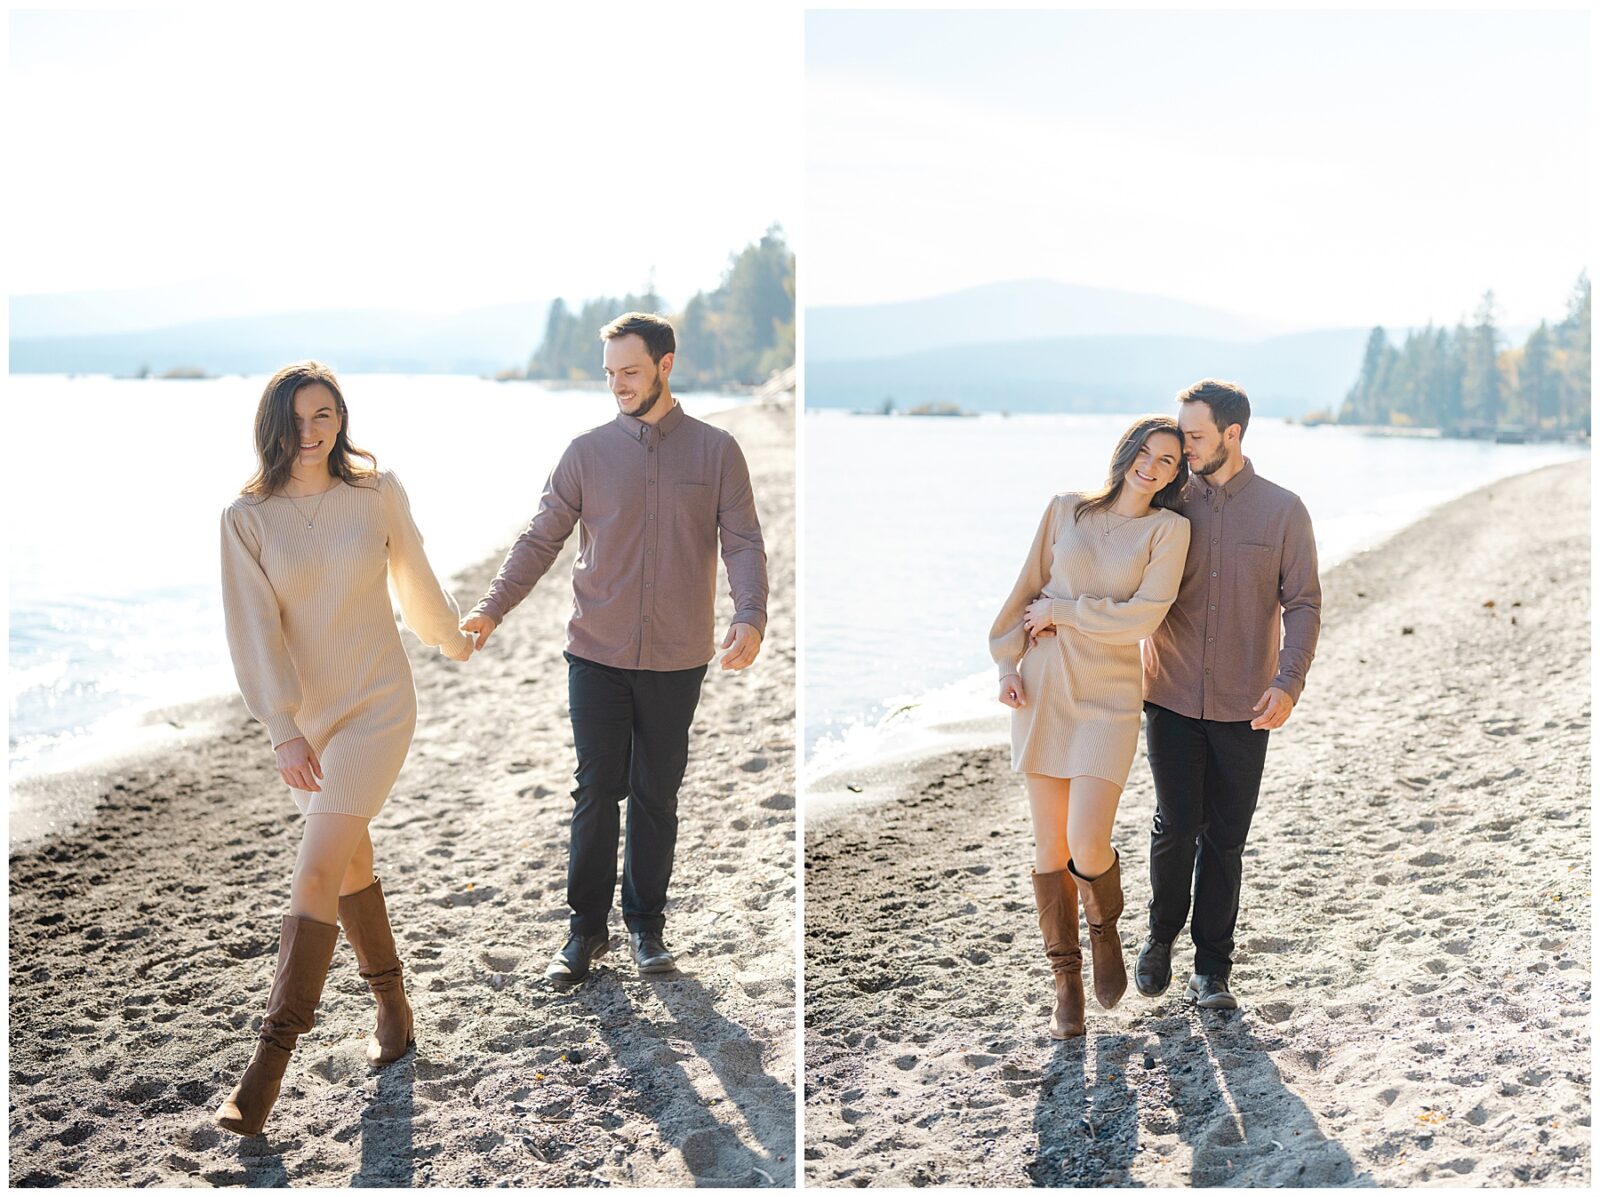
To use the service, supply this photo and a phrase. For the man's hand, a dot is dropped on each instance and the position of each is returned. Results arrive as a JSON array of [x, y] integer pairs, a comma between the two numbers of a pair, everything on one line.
[[746, 642], [1275, 706], [298, 765], [1011, 691], [481, 626]]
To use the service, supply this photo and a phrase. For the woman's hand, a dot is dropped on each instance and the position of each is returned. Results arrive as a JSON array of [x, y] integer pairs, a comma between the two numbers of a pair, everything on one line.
[[1038, 615], [461, 650], [298, 765], [1011, 691]]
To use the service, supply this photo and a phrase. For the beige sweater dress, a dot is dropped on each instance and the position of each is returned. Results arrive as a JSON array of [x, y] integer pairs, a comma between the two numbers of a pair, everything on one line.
[[313, 635], [1112, 580]]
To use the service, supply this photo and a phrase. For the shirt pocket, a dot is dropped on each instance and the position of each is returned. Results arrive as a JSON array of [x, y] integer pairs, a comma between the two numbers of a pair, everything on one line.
[[694, 512]]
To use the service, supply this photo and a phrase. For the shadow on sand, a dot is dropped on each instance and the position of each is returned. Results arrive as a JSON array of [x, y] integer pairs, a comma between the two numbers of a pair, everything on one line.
[[1202, 1075], [712, 1151]]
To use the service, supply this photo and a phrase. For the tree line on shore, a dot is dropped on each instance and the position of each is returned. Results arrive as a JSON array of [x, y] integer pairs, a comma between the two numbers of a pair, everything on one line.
[[1467, 381], [737, 334]]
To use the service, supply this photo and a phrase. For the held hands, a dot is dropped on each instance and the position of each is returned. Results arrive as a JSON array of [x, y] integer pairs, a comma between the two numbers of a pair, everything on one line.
[[482, 627], [461, 650], [1278, 708], [1011, 691], [298, 765], [746, 642], [1038, 618]]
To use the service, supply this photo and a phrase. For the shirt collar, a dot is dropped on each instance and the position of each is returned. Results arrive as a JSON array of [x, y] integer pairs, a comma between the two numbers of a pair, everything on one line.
[[640, 431], [1234, 485]]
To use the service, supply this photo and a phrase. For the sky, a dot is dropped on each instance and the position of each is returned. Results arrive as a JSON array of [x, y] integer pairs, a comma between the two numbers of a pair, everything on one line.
[[435, 158], [1321, 168]]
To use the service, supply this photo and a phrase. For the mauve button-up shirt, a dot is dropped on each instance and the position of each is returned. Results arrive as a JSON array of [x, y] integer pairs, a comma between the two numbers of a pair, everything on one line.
[[1252, 562], [650, 502]]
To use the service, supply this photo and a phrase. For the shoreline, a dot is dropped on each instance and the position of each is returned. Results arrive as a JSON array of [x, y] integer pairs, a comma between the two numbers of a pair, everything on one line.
[[1433, 784], [143, 940], [975, 724]]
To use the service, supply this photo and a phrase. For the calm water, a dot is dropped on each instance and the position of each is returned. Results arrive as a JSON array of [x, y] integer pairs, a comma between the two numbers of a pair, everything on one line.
[[915, 530], [116, 607]]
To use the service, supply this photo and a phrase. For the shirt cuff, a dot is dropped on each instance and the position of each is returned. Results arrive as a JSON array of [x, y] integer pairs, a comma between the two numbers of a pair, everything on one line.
[[282, 728], [1062, 612], [756, 619]]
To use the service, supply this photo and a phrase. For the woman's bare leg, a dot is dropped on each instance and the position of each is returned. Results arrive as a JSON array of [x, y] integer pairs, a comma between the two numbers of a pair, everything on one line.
[[1088, 824], [358, 873], [326, 850], [1048, 802]]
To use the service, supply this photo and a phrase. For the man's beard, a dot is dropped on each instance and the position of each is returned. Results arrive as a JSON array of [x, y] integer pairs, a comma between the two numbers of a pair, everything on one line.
[[649, 400], [1219, 460]]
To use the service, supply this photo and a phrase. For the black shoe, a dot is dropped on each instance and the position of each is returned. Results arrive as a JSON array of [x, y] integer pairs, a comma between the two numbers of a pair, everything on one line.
[[1211, 993], [571, 964], [1153, 973], [650, 954]]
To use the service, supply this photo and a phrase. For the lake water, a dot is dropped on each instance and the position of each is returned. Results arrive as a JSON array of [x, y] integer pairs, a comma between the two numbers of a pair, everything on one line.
[[115, 599], [915, 529]]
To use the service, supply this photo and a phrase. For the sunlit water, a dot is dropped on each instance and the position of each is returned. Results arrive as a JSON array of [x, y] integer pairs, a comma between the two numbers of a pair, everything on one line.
[[114, 491], [915, 529]]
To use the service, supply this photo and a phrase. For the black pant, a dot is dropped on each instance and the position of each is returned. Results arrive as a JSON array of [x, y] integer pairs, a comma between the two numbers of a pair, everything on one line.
[[631, 730], [1208, 775]]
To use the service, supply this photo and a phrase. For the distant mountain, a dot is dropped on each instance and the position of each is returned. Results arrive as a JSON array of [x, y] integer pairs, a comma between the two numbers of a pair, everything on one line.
[[369, 341], [1024, 310], [1284, 375]]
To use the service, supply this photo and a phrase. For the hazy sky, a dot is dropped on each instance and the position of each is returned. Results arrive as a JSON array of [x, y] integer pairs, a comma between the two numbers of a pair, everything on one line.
[[436, 157], [1323, 168]]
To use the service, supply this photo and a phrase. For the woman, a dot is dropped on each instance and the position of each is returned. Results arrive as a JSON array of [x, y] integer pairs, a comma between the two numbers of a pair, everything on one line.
[[307, 551], [1103, 569]]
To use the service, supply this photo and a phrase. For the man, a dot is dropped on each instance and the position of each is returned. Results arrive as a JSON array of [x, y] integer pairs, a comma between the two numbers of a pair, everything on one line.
[[650, 492], [1217, 682]]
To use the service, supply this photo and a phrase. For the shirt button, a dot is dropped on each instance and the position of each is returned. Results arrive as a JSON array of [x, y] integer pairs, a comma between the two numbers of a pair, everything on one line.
[[1213, 607], [652, 516], [1213, 540], [647, 585], [647, 553], [647, 620], [1209, 639], [1218, 507], [1213, 572]]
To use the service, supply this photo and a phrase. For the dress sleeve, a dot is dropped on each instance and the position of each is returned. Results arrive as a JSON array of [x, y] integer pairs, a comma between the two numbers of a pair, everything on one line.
[[1008, 639], [426, 606], [261, 661], [540, 543], [743, 552], [1129, 621]]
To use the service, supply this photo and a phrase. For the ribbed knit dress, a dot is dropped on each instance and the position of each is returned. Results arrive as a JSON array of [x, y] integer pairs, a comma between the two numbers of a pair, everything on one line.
[[313, 635], [1112, 580]]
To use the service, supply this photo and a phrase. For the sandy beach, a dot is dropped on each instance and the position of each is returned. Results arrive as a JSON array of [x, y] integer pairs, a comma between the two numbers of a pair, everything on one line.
[[1413, 957], [143, 940]]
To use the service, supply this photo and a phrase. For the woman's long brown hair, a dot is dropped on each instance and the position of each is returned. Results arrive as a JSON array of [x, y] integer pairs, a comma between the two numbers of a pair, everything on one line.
[[1127, 452], [278, 435]]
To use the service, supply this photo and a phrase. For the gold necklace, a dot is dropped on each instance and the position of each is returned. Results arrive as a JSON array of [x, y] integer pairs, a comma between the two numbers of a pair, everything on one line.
[[1110, 528], [310, 519]]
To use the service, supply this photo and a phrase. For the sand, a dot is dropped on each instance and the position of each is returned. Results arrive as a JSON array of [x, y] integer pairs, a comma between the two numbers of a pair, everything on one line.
[[143, 941], [1414, 941]]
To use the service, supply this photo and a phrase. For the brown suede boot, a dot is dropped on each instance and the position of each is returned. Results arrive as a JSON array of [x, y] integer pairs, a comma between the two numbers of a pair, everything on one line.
[[1056, 896], [305, 949], [1102, 903], [366, 925]]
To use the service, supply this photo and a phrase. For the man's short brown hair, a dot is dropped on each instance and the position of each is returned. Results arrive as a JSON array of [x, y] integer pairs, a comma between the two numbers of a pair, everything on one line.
[[1227, 401], [653, 330]]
